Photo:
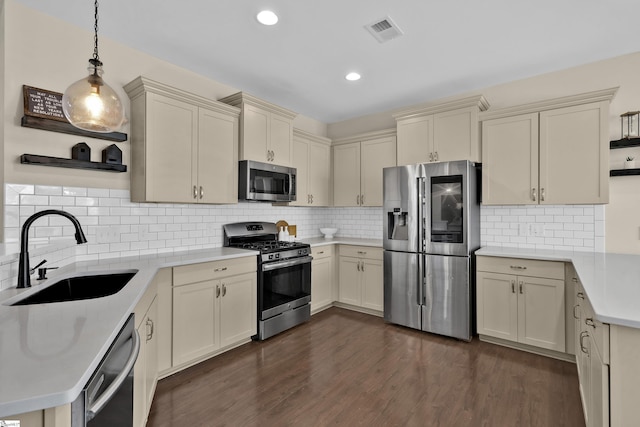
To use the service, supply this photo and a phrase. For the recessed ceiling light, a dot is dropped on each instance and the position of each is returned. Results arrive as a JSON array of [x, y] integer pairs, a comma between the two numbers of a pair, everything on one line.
[[352, 76], [267, 17]]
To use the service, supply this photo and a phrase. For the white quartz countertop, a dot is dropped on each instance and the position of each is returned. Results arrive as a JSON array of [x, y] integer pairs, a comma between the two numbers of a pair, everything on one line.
[[337, 240], [48, 352], [611, 281]]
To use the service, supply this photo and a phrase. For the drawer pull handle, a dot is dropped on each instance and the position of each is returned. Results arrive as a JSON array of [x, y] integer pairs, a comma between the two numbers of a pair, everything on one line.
[[220, 269], [580, 295], [224, 289], [517, 267], [513, 286], [575, 316], [583, 335], [362, 253], [149, 329], [589, 321], [217, 291], [521, 288], [320, 253], [574, 280]]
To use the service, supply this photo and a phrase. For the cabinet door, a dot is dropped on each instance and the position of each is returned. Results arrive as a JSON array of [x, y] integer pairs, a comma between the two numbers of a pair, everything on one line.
[[151, 357], [541, 312], [415, 140], [280, 140], [255, 128], [195, 332], [346, 174], [217, 158], [238, 308], [350, 278], [321, 283], [455, 135], [301, 163], [376, 154], [372, 284], [510, 160], [172, 133], [319, 174], [599, 390], [574, 154], [584, 361], [497, 305]]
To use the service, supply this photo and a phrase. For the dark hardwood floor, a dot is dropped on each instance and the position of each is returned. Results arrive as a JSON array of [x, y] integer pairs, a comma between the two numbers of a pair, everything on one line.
[[347, 368]]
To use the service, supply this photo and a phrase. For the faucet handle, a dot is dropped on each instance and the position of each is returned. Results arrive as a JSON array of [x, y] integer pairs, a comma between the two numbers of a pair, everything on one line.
[[36, 267]]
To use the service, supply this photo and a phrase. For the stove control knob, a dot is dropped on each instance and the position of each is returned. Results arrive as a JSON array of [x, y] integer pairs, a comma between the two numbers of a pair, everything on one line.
[[270, 256], [300, 252], [277, 256]]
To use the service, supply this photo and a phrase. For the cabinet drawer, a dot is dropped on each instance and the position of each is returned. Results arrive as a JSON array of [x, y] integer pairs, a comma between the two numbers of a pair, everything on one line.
[[598, 331], [521, 267], [361, 252], [213, 270], [319, 252]]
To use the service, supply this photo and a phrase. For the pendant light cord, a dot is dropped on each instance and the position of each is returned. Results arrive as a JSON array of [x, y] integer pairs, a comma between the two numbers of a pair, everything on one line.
[[96, 57]]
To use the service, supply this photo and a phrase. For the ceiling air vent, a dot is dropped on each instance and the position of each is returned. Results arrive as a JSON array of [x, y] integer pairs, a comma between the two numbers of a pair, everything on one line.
[[384, 29]]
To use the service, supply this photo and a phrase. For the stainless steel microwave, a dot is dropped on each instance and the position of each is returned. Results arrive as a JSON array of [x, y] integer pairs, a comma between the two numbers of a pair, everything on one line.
[[265, 182]]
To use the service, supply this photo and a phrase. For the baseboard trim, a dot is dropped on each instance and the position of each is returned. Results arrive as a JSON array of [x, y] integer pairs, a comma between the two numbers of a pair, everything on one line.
[[529, 348]]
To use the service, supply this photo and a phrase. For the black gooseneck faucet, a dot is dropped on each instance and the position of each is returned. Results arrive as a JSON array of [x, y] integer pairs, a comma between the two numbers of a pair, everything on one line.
[[24, 276]]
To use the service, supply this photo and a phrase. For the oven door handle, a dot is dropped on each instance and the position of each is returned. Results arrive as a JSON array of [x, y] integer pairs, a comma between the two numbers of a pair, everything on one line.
[[288, 263], [117, 382]]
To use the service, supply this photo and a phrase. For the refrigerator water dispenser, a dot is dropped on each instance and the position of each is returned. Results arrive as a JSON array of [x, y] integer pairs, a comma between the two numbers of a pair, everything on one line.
[[397, 225]]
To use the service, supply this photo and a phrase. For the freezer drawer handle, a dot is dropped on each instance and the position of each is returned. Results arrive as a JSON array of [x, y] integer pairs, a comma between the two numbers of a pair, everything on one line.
[[117, 382]]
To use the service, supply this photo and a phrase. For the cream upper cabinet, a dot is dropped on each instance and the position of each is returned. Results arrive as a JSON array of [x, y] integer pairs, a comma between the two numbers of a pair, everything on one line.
[[357, 168], [312, 160], [266, 130], [442, 132], [521, 301], [182, 146], [553, 152]]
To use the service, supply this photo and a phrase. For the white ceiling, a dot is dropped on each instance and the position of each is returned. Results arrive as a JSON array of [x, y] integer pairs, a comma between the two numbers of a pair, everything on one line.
[[448, 47]]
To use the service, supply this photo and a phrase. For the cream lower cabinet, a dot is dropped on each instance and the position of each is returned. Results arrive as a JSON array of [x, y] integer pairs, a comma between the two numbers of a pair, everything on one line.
[[322, 278], [183, 146], [357, 168], [214, 307], [361, 277], [527, 307], [547, 155], [441, 132], [59, 416], [145, 374], [312, 160], [592, 360]]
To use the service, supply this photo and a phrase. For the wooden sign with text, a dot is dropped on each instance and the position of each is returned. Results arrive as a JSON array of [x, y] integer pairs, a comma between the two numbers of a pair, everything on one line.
[[43, 103]]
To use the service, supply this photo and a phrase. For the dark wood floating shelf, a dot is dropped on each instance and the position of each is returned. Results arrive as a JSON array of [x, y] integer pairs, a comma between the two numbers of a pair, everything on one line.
[[625, 143], [624, 172], [65, 127], [34, 159]]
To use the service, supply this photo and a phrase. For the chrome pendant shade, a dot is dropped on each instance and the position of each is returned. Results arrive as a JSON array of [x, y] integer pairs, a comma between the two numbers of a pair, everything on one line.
[[90, 103]]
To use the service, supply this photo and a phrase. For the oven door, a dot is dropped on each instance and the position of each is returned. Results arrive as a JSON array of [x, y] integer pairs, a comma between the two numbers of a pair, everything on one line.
[[284, 285]]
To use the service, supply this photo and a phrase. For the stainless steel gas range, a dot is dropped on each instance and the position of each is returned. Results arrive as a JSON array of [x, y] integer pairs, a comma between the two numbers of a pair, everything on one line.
[[284, 275]]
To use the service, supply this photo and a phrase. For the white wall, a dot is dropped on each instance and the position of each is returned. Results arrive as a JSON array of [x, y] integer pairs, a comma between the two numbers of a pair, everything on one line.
[[45, 52], [623, 211]]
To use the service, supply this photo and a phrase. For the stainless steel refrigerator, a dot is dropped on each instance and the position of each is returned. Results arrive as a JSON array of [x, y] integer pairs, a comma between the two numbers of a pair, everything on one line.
[[432, 228]]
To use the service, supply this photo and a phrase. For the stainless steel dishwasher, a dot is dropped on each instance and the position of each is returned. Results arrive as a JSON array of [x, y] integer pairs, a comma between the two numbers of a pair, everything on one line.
[[107, 399]]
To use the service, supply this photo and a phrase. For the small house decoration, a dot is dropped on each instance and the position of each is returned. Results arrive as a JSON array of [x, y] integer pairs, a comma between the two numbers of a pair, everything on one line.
[[630, 122], [81, 151], [112, 155]]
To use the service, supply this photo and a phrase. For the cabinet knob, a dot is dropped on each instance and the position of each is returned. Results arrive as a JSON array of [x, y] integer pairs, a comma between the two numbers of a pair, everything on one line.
[[534, 195], [224, 289], [362, 199], [217, 291], [580, 295], [358, 265], [149, 329], [312, 199], [358, 200], [435, 157], [201, 192], [542, 194], [521, 286], [589, 322], [513, 286], [195, 192], [431, 157]]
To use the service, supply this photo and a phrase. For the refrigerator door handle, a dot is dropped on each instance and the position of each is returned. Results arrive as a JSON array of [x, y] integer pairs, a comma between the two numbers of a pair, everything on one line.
[[420, 280]]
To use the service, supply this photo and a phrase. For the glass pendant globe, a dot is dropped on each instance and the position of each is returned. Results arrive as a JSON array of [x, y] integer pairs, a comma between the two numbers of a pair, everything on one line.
[[91, 104]]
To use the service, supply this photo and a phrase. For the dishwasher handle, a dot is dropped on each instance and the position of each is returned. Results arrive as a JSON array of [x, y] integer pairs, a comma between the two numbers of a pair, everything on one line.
[[100, 403]]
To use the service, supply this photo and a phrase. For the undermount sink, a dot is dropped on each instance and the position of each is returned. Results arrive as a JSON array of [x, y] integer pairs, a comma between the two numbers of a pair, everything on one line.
[[83, 287]]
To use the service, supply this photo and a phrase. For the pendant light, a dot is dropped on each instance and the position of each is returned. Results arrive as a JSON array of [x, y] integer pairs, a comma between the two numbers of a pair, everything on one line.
[[90, 103]]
